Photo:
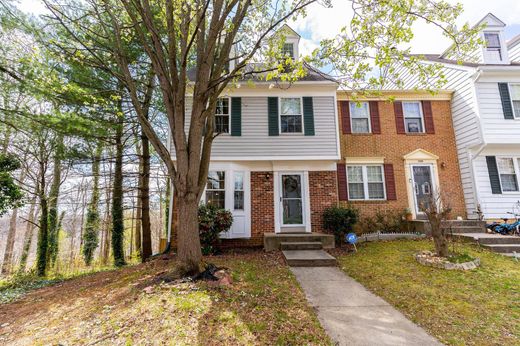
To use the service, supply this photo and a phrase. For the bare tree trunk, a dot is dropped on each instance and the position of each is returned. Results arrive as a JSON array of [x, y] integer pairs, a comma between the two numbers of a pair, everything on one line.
[[7, 264], [29, 232], [43, 234], [138, 217], [145, 198], [117, 201], [189, 251], [439, 238], [53, 203]]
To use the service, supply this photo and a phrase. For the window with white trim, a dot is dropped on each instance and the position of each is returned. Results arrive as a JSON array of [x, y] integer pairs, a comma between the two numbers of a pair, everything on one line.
[[413, 117], [508, 172], [493, 46], [291, 115], [366, 182], [288, 50], [222, 115], [216, 189], [514, 91], [360, 117]]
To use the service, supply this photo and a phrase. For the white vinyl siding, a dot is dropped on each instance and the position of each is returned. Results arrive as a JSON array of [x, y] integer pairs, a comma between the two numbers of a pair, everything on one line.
[[360, 117], [255, 141], [496, 129], [366, 182], [494, 206], [514, 52]]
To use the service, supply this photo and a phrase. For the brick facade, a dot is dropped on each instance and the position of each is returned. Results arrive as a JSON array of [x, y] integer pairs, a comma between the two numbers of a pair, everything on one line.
[[323, 194], [393, 146]]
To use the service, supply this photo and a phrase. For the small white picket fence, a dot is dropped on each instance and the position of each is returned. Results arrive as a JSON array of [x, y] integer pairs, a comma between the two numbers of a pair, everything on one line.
[[377, 236]]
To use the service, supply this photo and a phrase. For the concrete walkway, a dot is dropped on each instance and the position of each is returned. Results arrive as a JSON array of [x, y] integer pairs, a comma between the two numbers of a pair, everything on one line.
[[352, 315]]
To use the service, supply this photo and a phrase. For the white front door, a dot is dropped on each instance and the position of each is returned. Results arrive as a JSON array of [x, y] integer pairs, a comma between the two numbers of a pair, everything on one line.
[[239, 203], [230, 189], [423, 186], [292, 201]]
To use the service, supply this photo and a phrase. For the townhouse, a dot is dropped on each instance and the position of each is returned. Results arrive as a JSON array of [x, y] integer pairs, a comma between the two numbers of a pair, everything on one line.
[[486, 119], [273, 162], [398, 155]]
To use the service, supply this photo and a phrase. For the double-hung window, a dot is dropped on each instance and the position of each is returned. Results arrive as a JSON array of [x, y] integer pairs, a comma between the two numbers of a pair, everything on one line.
[[508, 173], [222, 115], [413, 117], [291, 115], [366, 182], [216, 189], [514, 91], [493, 47], [360, 117], [288, 50]]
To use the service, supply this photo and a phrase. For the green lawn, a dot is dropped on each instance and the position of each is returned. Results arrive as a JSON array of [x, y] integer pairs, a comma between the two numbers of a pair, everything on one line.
[[479, 307], [263, 306]]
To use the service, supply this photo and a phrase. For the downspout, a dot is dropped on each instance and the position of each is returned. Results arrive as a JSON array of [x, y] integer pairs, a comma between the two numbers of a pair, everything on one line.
[[481, 147]]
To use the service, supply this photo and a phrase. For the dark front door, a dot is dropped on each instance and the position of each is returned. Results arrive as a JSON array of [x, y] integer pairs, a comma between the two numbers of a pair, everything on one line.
[[292, 203], [423, 186]]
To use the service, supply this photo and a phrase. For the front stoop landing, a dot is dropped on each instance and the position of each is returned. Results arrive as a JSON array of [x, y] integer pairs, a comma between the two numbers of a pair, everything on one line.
[[299, 241], [308, 258]]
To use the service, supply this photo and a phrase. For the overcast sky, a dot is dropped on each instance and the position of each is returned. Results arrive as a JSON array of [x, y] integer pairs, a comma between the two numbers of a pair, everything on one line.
[[324, 22]]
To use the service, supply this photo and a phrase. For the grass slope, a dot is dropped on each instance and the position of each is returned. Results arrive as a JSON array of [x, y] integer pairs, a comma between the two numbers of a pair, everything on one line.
[[479, 307], [264, 306]]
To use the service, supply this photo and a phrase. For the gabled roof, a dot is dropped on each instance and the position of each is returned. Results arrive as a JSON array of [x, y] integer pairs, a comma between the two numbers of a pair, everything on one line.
[[289, 30], [491, 20], [513, 42], [312, 75], [438, 58]]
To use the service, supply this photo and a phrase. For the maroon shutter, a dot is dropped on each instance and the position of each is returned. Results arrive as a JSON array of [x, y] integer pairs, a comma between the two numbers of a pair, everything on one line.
[[391, 194], [399, 118], [342, 182], [345, 117], [374, 117], [428, 117]]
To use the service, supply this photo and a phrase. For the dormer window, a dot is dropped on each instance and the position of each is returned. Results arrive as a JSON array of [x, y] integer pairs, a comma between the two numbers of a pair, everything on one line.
[[288, 50], [493, 49]]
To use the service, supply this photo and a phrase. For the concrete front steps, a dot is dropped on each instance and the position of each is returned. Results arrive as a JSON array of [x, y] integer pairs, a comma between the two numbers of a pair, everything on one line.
[[302, 249], [273, 241], [498, 243], [464, 226]]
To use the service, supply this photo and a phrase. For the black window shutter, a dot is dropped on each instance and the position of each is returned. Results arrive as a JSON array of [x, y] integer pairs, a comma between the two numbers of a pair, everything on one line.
[[503, 88], [494, 177], [236, 116], [272, 114], [308, 116]]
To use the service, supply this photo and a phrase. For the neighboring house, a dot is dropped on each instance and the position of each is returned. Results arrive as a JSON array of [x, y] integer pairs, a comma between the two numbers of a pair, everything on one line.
[[273, 163], [398, 155], [486, 118]]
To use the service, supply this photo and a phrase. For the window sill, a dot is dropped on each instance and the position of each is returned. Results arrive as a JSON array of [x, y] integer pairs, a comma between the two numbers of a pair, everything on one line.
[[361, 134], [416, 133], [371, 201], [290, 134]]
